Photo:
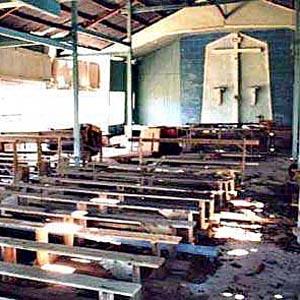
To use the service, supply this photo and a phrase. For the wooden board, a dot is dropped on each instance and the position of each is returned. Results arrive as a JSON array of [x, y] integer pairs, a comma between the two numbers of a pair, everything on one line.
[[122, 218], [72, 280], [20, 224], [38, 211], [96, 234], [100, 184], [103, 202], [84, 253], [95, 192], [196, 141]]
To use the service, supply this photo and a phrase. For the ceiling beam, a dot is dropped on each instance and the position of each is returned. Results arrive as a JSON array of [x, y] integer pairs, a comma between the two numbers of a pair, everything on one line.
[[113, 7], [27, 37], [170, 7], [101, 36], [219, 7], [47, 6], [7, 13], [39, 20], [100, 18], [66, 28], [12, 43], [86, 16]]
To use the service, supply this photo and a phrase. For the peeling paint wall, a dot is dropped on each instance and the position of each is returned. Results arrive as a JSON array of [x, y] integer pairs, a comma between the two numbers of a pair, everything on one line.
[[159, 87], [21, 63], [31, 106]]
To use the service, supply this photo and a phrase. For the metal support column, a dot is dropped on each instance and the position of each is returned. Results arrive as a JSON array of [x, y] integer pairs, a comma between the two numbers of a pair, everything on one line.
[[76, 130], [296, 124], [296, 106], [129, 71]]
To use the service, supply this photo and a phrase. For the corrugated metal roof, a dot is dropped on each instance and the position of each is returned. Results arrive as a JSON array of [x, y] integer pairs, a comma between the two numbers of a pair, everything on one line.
[[104, 16]]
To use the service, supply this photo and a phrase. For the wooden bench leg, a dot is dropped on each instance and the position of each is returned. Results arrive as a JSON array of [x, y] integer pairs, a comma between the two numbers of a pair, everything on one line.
[[136, 274], [232, 185], [211, 209], [155, 249], [191, 228], [120, 188], [81, 206], [102, 209], [202, 215], [106, 296], [69, 237], [121, 197], [10, 255], [226, 189], [102, 195], [138, 296], [42, 257]]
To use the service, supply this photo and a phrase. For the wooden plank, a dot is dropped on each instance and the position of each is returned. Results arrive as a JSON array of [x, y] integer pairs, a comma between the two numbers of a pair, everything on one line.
[[62, 214], [196, 141], [96, 233], [20, 224], [102, 201], [159, 180], [115, 217], [72, 280], [194, 162], [138, 186], [84, 253], [99, 193]]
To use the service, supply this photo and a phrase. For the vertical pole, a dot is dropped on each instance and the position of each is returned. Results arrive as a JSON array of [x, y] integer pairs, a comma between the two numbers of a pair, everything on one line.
[[39, 156], [296, 136], [76, 131], [129, 72], [15, 161], [236, 87], [295, 150], [59, 153], [244, 156]]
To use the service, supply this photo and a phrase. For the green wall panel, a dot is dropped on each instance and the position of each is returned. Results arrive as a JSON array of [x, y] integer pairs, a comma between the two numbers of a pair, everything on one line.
[[158, 95]]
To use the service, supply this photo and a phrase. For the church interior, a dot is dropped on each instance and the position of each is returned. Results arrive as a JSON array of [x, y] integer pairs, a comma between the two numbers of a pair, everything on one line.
[[149, 149]]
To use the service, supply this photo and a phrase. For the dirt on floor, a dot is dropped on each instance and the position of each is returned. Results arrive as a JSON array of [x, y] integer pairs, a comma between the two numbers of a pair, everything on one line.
[[269, 269]]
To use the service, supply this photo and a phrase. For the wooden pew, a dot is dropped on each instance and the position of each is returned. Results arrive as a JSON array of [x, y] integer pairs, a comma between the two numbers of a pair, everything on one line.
[[106, 288], [131, 197], [140, 215], [83, 205], [136, 260], [104, 220], [95, 234], [132, 171], [160, 186]]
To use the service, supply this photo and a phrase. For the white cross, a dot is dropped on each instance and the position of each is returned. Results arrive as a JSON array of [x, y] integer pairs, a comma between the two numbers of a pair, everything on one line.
[[235, 52]]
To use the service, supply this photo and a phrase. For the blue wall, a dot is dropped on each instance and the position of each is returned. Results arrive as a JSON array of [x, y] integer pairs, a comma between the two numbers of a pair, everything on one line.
[[192, 52]]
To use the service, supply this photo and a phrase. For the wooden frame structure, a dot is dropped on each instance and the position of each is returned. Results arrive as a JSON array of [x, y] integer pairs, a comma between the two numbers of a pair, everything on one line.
[[38, 140]]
